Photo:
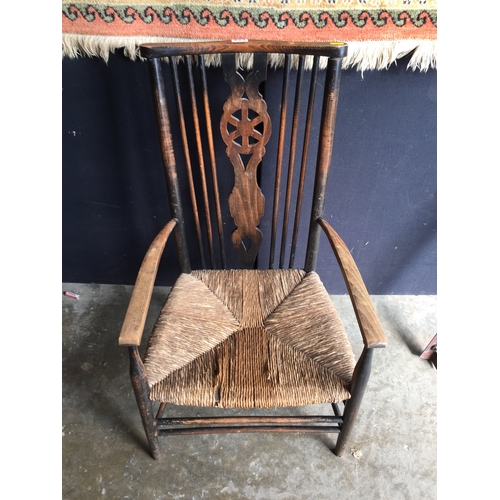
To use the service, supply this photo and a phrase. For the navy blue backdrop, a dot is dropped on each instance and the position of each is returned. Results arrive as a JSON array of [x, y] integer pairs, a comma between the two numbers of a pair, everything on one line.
[[381, 196]]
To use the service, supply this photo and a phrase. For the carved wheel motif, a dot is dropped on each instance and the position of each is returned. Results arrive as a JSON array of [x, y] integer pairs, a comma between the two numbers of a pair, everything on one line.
[[240, 130], [245, 128]]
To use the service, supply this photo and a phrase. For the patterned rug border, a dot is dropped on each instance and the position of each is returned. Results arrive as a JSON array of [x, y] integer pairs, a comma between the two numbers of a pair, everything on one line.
[[376, 37]]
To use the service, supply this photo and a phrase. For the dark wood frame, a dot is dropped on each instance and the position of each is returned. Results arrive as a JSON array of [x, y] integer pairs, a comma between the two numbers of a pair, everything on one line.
[[343, 419]]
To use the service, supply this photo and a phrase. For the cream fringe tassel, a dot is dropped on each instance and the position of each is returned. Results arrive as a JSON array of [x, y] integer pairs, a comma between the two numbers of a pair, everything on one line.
[[363, 55]]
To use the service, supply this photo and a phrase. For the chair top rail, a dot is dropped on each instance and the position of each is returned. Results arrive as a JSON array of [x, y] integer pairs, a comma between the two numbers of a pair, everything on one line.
[[333, 50]]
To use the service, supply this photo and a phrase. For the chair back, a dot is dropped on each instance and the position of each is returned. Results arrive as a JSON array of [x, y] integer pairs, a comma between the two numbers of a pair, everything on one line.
[[241, 171]]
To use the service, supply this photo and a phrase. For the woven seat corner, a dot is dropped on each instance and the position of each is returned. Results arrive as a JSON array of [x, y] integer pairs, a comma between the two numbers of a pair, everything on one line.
[[249, 339]]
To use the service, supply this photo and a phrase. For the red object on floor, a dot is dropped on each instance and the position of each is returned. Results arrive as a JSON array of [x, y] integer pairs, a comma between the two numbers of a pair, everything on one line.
[[430, 352]]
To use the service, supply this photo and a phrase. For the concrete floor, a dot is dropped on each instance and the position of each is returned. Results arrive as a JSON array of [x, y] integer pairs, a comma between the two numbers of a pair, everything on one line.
[[391, 455]]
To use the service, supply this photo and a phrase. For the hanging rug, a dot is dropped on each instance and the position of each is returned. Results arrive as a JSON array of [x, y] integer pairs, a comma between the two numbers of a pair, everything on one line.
[[378, 31]]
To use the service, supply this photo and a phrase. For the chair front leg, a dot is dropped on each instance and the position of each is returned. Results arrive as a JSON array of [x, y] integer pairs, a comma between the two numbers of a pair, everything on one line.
[[141, 391], [359, 382]]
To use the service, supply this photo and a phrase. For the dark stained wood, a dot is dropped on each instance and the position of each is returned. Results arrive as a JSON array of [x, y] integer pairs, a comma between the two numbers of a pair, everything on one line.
[[141, 391], [201, 161], [161, 410], [328, 49], [246, 201], [279, 159], [328, 115], [291, 160], [169, 164], [135, 317], [247, 428], [320, 419], [336, 409], [187, 157], [359, 382], [305, 153], [213, 164], [369, 324]]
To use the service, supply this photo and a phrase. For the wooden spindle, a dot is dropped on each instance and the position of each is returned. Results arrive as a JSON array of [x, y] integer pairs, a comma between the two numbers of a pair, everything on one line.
[[291, 162], [305, 152], [279, 159], [329, 112], [199, 146], [169, 164], [187, 157], [211, 150]]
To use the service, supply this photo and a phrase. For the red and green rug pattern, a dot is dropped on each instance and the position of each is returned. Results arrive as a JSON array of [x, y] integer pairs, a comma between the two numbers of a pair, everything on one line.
[[369, 26]]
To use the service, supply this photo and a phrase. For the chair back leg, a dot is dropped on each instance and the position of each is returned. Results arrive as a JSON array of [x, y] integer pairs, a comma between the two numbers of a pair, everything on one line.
[[141, 391], [359, 382]]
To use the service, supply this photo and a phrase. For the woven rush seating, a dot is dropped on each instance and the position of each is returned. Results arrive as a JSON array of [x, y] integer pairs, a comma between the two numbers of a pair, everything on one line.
[[247, 339]]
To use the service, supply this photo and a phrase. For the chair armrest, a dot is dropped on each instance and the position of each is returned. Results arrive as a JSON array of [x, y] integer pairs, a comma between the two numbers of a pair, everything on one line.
[[135, 318], [369, 324]]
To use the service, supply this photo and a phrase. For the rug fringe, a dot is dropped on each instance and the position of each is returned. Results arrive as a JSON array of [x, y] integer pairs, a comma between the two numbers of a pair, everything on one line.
[[362, 55], [371, 55]]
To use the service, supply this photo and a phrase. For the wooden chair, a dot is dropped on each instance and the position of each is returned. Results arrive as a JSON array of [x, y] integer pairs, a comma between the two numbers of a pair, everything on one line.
[[254, 335]]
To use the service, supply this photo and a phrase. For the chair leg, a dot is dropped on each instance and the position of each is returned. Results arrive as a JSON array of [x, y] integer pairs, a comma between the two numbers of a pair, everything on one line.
[[161, 410], [141, 391], [358, 385]]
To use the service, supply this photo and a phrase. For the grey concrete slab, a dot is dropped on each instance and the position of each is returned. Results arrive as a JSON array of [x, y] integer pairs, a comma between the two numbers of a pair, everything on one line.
[[392, 453]]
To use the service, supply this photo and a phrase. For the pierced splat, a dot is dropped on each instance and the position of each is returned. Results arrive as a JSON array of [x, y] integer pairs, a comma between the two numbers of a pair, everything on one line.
[[245, 127]]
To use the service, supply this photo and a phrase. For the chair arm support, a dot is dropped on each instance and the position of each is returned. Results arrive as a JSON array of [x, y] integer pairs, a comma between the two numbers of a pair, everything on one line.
[[369, 324], [135, 318]]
